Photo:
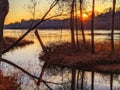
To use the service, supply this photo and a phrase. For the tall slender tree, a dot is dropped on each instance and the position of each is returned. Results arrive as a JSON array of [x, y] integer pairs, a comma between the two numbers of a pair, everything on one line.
[[112, 31], [72, 24], [4, 7], [31, 8], [92, 26], [76, 25], [81, 20]]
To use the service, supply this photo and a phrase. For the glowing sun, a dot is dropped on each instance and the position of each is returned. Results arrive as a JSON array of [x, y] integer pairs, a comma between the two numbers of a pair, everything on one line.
[[85, 16]]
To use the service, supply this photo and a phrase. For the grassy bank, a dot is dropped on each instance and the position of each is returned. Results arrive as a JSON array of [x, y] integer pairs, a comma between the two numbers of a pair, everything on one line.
[[7, 41], [103, 60]]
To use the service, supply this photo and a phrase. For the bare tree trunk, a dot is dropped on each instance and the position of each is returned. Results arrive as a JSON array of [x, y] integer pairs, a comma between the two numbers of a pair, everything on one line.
[[72, 24], [40, 41], [4, 7], [76, 25], [81, 21], [73, 79], [112, 31], [92, 27], [34, 11], [1, 37]]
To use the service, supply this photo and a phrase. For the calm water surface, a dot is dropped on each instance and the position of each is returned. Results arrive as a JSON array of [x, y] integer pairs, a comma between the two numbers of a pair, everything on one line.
[[27, 57]]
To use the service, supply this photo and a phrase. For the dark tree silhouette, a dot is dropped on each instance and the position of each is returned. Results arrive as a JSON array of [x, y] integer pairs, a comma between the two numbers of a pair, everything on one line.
[[31, 7], [72, 24], [81, 21], [43, 19], [76, 26], [92, 27], [112, 31], [4, 7]]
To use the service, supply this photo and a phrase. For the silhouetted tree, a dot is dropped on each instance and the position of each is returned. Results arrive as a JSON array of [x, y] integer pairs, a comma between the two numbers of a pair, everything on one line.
[[55, 2], [92, 26], [112, 31], [76, 25], [72, 24], [81, 21], [4, 7], [31, 7]]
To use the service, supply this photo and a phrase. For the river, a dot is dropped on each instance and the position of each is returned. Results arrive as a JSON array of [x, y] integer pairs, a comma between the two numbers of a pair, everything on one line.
[[27, 57]]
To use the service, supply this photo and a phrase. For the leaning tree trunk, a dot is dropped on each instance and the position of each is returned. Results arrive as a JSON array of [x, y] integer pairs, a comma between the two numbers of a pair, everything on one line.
[[4, 6], [112, 31], [81, 21], [92, 27]]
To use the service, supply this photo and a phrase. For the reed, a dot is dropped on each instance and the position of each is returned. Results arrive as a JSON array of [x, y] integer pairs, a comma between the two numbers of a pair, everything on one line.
[[7, 41]]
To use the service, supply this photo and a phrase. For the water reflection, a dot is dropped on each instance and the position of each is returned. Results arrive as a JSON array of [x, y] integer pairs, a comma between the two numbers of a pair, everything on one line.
[[27, 57]]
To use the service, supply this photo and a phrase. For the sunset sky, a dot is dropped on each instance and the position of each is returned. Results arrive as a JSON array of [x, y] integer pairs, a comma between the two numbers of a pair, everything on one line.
[[18, 11]]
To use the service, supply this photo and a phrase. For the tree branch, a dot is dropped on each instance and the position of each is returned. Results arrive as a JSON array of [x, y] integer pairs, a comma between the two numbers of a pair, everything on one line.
[[26, 72], [23, 70], [29, 30]]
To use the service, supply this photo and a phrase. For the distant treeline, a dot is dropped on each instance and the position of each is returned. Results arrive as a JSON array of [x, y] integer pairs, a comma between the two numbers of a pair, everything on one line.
[[102, 21]]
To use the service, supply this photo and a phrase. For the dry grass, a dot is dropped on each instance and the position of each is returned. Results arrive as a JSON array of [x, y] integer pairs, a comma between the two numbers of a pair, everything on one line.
[[7, 41], [63, 54], [9, 82]]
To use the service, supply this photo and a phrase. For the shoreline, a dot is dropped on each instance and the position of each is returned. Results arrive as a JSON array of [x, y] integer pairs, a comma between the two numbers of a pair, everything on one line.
[[7, 41], [103, 60]]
